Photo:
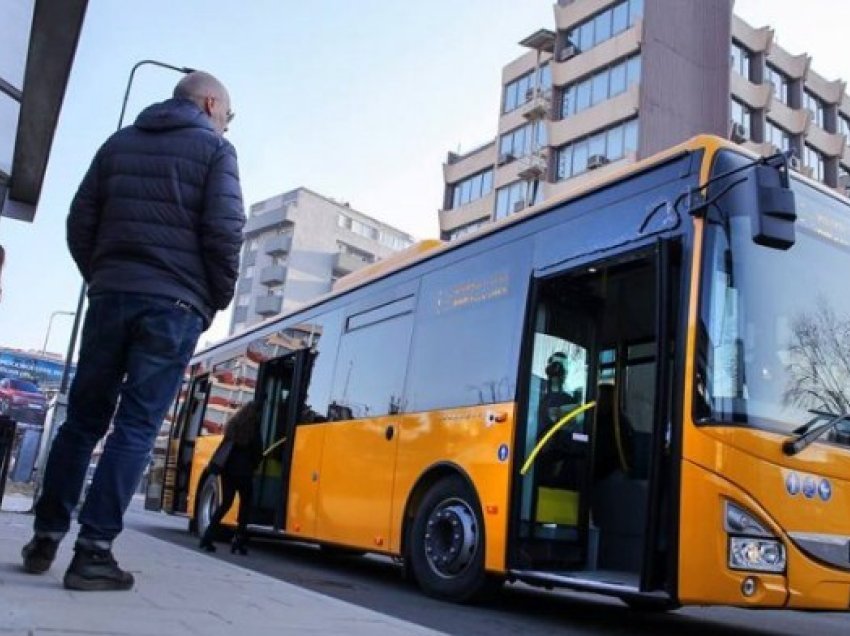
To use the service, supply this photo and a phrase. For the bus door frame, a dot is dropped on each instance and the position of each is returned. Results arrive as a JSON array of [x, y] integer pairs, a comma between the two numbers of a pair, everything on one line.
[[301, 361], [665, 254], [180, 464]]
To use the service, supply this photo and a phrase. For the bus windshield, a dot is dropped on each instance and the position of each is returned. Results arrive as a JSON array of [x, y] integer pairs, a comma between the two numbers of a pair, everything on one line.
[[774, 329]]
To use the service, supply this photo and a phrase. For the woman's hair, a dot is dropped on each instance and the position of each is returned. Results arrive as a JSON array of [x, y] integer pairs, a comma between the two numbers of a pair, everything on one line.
[[243, 424]]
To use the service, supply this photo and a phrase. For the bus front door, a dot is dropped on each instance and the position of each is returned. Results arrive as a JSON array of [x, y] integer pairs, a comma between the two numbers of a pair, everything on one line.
[[587, 490], [281, 395]]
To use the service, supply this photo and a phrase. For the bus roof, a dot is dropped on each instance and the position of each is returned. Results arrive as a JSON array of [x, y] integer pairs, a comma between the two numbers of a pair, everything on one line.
[[430, 248]]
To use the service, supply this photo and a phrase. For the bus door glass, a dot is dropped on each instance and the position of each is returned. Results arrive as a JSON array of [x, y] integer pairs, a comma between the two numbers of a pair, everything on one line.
[[585, 472], [178, 465], [280, 394]]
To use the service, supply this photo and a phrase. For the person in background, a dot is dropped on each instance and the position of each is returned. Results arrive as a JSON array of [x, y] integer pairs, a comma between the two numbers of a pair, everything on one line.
[[155, 229], [236, 459]]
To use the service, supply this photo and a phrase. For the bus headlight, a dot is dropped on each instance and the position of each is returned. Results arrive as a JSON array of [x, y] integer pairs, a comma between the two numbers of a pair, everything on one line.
[[752, 546], [759, 555]]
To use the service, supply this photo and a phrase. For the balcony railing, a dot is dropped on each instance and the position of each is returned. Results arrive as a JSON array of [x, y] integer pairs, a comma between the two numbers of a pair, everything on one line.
[[273, 275], [278, 245], [269, 305]]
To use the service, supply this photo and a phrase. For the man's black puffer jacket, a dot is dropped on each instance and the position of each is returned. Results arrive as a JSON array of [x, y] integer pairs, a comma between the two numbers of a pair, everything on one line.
[[160, 211]]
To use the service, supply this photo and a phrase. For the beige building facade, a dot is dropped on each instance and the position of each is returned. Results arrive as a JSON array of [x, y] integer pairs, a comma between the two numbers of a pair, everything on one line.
[[297, 244], [614, 81]]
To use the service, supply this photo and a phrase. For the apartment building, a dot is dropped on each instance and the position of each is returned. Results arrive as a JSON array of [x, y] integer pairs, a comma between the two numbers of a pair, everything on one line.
[[296, 245], [618, 80]]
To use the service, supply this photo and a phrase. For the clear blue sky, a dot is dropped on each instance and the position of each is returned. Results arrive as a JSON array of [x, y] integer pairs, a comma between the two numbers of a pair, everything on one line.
[[358, 100]]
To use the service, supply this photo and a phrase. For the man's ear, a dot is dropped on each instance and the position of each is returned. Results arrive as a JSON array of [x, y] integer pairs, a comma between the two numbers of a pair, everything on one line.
[[208, 105]]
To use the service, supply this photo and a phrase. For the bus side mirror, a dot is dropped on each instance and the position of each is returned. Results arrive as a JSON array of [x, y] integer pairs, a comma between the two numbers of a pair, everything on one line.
[[775, 211]]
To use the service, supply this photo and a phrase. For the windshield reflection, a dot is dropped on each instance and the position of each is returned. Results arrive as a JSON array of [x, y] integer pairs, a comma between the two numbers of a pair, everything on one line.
[[774, 332]]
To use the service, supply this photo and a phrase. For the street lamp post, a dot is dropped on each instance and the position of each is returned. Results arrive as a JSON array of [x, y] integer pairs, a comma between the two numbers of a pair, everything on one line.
[[50, 324]]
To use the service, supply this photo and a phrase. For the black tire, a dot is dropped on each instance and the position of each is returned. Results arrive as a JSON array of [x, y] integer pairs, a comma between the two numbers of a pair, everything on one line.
[[445, 547], [209, 497]]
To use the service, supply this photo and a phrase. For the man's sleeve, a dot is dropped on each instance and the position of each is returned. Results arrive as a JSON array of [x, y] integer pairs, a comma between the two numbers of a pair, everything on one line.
[[221, 225], [83, 219]]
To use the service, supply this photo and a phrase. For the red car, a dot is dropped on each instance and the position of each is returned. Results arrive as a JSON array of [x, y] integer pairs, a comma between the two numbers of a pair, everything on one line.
[[22, 401]]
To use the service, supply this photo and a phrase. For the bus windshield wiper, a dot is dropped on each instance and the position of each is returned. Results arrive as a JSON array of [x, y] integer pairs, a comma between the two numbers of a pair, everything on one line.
[[810, 433]]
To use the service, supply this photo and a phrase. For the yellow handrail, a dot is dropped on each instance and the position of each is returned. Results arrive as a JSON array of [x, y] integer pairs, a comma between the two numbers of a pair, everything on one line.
[[273, 446], [558, 425]]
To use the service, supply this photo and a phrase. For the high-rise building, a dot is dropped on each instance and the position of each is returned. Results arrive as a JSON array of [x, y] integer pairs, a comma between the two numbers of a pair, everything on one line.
[[618, 80], [296, 245]]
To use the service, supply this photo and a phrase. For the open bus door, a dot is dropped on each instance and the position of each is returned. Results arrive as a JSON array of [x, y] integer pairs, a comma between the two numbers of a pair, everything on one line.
[[181, 444], [154, 490], [281, 387], [594, 481]]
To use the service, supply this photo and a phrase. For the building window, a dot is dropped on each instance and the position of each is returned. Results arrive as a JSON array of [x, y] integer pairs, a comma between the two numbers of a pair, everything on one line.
[[815, 106], [253, 244], [363, 229], [740, 60], [780, 83], [605, 25], [600, 86], [776, 135], [844, 127], [523, 140], [519, 91], [814, 160], [514, 198], [249, 271], [239, 327], [472, 188], [243, 300], [843, 177], [396, 242], [464, 230], [343, 221], [742, 115], [611, 144]]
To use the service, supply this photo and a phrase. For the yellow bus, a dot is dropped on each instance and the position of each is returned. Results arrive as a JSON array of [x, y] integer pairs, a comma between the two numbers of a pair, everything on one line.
[[639, 389]]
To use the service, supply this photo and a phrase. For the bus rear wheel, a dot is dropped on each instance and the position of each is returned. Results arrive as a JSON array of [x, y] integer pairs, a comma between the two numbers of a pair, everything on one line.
[[206, 504], [446, 542]]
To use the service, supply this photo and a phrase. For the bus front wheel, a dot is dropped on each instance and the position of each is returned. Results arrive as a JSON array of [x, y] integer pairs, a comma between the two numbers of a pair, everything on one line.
[[446, 543]]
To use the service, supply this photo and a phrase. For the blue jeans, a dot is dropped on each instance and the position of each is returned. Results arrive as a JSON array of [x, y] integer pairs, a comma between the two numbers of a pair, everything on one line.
[[134, 347]]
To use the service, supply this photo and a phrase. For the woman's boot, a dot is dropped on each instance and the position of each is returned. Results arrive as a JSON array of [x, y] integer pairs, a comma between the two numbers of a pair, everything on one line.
[[239, 544], [207, 542]]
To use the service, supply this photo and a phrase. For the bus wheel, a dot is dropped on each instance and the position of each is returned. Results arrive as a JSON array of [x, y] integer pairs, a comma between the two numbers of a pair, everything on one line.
[[446, 543], [206, 503]]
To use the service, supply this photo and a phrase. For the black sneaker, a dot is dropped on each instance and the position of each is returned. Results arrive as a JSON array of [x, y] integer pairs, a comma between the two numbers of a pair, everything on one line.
[[93, 569], [38, 554]]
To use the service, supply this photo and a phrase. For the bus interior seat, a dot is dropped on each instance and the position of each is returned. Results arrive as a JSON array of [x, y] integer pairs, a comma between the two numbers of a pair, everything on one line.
[[618, 498]]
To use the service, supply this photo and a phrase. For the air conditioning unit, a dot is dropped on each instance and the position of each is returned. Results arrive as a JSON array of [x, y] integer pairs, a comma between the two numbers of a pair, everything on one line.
[[597, 161], [519, 206], [529, 94], [844, 182], [505, 157], [739, 133], [568, 52]]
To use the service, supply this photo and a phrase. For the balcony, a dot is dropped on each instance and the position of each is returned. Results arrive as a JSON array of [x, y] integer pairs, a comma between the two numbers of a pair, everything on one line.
[[539, 105], [269, 305], [273, 275], [278, 245], [345, 263]]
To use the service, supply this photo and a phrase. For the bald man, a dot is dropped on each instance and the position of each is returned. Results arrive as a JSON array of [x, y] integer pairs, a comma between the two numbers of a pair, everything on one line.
[[155, 229]]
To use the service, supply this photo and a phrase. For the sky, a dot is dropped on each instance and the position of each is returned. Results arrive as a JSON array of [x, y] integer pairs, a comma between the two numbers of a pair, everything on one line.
[[359, 101]]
